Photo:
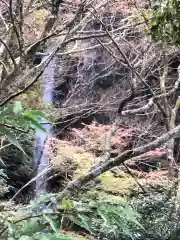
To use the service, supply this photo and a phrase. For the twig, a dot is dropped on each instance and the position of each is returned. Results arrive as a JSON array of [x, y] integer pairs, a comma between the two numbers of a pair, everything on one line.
[[12, 96], [28, 183], [69, 25], [30, 4], [131, 67], [139, 110], [14, 127], [4, 67], [9, 52], [133, 176]]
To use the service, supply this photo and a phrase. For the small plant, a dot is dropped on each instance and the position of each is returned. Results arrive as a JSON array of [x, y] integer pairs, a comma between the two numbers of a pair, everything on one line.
[[16, 118], [157, 208], [44, 226], [40, 228], [104, 218]]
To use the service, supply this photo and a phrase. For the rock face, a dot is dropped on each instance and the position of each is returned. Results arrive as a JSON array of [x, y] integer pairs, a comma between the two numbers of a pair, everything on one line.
[[92, 76]]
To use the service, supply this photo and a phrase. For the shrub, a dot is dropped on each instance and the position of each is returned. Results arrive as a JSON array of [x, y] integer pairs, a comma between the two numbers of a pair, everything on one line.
[[157, 208]]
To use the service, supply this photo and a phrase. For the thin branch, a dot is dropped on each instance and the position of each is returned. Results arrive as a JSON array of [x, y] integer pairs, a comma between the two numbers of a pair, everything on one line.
[[135, 178], [20, 25], [12, 96], [13, 127], [48, 60], [139, 110], [126, 100], [151, 100], [9, 52], [14, 25], [30, 4], [32, 48], [3, 20], [170, 150], [131, 67], [40, 174], [163, 80], [4, 68]]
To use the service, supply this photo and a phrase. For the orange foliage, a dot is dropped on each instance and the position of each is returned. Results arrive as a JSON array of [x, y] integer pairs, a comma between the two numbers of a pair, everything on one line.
[[121, 5], [98, 137]]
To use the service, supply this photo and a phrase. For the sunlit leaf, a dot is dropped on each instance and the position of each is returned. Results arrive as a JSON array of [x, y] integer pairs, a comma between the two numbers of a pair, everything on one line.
[[124, 227], [35, 123], [67, 204], [84, 221], [34, 114], [17, 107], [51, 223]]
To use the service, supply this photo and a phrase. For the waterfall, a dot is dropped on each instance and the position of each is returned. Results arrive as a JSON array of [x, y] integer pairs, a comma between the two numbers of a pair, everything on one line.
[[41, 153]]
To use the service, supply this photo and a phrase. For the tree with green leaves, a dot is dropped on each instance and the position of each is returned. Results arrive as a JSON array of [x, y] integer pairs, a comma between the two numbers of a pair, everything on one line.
[[164, 25]]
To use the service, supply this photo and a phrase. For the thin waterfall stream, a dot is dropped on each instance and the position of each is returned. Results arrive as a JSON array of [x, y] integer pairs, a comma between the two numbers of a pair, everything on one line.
[[41, 153]]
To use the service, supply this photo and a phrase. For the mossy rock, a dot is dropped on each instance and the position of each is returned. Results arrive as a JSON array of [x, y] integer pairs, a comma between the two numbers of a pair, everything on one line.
[[116, 185], [101, 195], [75, 236], [82, 158], [119, 183]]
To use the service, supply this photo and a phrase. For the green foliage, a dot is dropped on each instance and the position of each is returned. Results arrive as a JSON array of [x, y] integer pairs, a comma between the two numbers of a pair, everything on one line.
[[15, 118], [165, 23], [17, 125], [40, 228], [102, 218], [26, 223], [45, 237], [159, 218]]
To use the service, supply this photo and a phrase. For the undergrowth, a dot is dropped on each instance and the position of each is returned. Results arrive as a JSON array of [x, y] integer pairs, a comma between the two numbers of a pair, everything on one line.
[[99, 218]]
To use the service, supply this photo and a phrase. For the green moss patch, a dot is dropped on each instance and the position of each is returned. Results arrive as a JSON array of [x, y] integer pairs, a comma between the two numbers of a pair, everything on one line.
[[65, 151], [116, 185]]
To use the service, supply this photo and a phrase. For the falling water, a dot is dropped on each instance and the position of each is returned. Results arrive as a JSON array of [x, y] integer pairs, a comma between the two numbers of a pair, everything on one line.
[[41, 153]]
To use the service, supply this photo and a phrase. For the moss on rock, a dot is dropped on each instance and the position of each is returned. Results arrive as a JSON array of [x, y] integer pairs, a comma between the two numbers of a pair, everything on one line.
[[116, 185], [119, 183], [65, 151], [76, 236]]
